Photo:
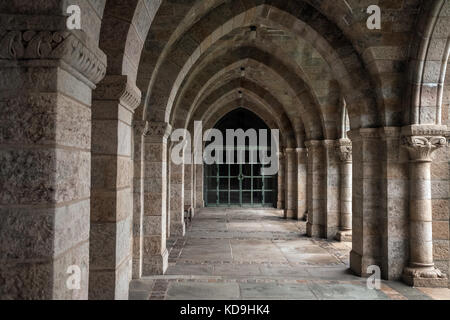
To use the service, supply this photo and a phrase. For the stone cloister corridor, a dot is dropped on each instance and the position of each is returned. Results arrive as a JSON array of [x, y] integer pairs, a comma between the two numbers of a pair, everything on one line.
[[256, 254], [121, 122]]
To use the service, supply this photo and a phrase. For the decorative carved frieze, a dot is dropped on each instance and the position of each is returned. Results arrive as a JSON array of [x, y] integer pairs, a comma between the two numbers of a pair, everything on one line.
[[421, 147], [425, 130], [67, 47]]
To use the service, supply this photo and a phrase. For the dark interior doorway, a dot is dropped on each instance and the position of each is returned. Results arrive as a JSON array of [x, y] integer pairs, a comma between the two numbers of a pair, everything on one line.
[[240, 184]]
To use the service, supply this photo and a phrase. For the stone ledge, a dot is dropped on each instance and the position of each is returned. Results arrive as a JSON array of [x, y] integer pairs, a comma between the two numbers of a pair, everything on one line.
[[424, 130]]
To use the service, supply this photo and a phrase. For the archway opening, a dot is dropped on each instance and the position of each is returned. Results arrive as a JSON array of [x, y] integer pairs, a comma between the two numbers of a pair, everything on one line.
[[238, 178]]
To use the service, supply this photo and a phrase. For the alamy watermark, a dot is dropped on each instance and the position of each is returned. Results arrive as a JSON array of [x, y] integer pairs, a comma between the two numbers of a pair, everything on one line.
[[73, 281], [74, 19], [374, 20], [236, 147], [374, 281]]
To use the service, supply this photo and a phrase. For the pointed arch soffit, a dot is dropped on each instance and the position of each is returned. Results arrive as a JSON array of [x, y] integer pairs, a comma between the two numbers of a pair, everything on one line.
[[263, 86], [349, 69], [428, 65], [249, 100], [252, 89], [277, 72]]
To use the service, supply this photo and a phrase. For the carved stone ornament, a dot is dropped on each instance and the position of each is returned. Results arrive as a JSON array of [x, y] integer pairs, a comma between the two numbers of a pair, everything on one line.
[[140, 127], [421, 147], [158, 130], [344, 150], [65, 46], [118, 87]]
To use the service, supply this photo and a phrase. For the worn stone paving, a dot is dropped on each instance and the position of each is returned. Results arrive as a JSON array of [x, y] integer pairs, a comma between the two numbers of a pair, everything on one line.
[[247, 254]]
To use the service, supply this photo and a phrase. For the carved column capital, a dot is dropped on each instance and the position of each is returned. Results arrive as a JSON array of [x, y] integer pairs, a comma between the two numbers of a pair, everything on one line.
[[120, 88], [421, 148], [344, 150], [158, 131], [140, 127]]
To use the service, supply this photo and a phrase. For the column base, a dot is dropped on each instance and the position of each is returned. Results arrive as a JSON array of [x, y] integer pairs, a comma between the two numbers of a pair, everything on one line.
[[359, 264], [289, 214], [280, 205], [301, 216], [429, 277], [314, 230], [344, 236], [156, 265]]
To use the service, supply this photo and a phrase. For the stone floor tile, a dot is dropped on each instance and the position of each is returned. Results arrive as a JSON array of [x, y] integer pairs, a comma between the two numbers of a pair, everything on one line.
[[270, 291], [203, 291], [230, 254], [437, 293], [141, 285], [343, 291], [139, 295]]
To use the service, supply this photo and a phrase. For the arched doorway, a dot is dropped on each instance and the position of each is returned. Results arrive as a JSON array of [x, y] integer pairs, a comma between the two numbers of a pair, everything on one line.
[[240, 183]]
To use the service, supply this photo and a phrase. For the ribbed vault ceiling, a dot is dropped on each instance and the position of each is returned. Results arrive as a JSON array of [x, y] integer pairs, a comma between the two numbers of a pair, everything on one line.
[[294, 57]]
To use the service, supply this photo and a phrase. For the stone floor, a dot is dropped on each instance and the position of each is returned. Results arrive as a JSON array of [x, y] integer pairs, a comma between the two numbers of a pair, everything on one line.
[[245, 254]]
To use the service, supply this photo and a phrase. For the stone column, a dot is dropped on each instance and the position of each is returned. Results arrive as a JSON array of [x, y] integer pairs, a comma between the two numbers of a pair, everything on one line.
[[178, 228], [394, 214], [114, 102], [199, 201], [188, 186], [291, 184], [281, 182], [344, 150], [331, 190], [302, 177], [368, 158], [155, 255], [47, 77], [168, 188], [316, 179], [140, 127], [421, 270]]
